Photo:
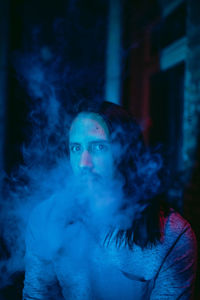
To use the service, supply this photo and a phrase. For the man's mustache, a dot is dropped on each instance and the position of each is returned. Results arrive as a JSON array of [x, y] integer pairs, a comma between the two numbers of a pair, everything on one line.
[[88, 174]]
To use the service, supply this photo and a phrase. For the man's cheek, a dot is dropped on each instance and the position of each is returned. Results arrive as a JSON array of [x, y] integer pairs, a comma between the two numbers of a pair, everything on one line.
[[103, 165], [74, 162]]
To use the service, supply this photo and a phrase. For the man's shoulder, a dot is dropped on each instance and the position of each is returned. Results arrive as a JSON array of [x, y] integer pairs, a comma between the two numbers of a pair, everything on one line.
[[175, 222], [38, 221], [41, 211], [177, 227], [45, 227]]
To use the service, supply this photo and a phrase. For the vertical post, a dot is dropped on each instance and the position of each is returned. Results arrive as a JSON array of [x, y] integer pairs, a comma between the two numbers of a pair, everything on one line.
[[191, 119], [4, 45], [113, 57]]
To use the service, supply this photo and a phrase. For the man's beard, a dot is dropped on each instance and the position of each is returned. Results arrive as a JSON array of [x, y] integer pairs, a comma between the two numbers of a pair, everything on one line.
[[102, 201], [94, 187], [90, 179], [98, 196]]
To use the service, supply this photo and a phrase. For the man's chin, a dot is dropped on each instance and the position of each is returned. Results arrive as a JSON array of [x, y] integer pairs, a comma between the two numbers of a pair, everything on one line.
[[91, 177], [88, 181], [91, 182]]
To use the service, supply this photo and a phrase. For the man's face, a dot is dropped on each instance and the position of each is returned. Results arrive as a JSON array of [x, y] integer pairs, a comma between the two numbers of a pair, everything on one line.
[[90, 150]]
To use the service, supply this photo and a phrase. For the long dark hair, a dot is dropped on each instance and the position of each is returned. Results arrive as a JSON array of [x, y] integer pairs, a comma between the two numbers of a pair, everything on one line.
[[142, 173]]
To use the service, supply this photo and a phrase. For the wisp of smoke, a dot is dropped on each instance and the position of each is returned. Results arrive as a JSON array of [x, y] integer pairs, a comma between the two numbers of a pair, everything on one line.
[[46, 176]]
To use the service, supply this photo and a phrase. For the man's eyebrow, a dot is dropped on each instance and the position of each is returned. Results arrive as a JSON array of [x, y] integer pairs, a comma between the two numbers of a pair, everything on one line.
[[73, 143], [91, 142], [99, 141]]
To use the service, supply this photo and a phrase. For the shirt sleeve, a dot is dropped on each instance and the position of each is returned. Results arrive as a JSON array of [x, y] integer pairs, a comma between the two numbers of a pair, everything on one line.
[[40, 279], [176, 276]]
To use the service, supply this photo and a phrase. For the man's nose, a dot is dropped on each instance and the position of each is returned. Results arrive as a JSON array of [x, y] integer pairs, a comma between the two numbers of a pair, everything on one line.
[[86, 160]]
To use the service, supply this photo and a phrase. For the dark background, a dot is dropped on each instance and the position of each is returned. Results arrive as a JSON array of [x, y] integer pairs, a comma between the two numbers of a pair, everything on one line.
[[158, 85]]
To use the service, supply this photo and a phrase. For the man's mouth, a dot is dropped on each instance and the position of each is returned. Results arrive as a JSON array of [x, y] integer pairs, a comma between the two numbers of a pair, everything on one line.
[[90, 177]]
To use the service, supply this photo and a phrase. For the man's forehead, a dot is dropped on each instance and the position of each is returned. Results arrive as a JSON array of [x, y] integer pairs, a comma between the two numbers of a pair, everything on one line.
[[89, 124]]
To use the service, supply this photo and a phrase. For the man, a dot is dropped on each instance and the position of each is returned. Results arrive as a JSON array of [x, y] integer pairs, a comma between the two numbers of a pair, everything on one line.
[[109, 235]]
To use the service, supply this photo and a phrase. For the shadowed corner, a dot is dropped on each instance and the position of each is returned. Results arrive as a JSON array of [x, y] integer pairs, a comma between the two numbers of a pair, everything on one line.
[[11, 283], [13, 291], [143, 89]]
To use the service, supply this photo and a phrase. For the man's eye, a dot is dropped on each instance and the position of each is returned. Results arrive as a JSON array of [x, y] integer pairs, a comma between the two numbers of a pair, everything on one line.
[[75, 148], [98, 147]]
